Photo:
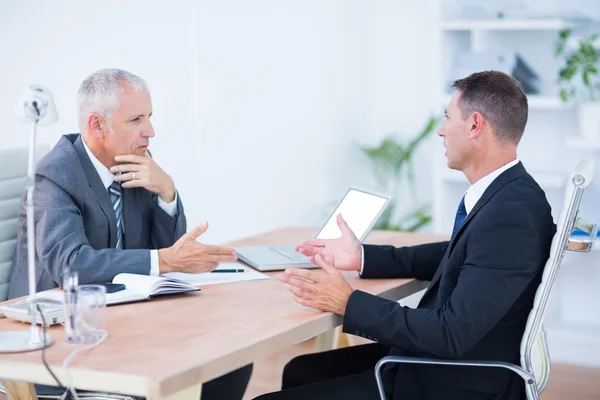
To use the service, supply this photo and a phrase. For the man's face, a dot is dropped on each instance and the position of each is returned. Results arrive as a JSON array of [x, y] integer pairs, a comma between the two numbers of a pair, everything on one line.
[[131, 125], [455, 132]]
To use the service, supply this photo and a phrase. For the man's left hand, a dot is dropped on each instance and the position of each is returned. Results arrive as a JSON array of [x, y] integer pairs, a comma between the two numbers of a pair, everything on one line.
[[329, 292], [143, 171]]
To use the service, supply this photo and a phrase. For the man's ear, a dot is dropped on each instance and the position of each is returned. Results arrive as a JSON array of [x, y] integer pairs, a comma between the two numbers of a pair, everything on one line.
[[476, 123], [96, 126]]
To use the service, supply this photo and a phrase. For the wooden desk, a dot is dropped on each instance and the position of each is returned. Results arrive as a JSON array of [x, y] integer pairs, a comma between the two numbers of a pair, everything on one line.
[[167, 347]]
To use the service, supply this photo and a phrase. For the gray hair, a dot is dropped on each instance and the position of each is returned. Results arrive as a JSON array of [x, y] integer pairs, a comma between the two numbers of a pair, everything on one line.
[[99, 93]]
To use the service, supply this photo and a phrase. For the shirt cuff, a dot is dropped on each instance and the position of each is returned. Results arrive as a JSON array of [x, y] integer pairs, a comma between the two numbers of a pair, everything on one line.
[[154, 270], [362, 259], [169, 208]]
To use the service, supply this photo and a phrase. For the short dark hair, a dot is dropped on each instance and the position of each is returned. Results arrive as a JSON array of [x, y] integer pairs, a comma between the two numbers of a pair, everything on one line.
[[499, 98]]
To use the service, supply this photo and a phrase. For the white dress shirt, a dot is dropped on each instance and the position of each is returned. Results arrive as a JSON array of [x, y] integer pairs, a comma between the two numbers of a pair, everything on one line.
[[472, 196], [476, 190], [107, 179]]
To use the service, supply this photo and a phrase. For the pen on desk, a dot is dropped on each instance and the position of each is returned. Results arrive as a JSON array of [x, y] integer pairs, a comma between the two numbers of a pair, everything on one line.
[[228, 270]]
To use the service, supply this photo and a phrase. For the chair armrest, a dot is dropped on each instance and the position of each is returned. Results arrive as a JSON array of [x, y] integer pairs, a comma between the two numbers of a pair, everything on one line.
[[527, 377], [586, 242]]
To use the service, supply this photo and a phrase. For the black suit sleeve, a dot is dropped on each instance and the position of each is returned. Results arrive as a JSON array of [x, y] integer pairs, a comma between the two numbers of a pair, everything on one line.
[[502, 260], [419, 262]]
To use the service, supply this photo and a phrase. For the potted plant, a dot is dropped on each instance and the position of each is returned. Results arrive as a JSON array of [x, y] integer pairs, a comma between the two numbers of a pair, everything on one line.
[[391, 162], [581, 72]]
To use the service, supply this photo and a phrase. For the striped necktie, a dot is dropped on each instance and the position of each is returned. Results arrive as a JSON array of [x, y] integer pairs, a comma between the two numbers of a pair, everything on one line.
[[114, 191]]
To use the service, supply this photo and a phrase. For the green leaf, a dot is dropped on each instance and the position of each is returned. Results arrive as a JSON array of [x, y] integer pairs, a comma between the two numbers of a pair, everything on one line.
[[567, 73], [564, 95], [416, 219], [575, 59], [587, 49], [561, 42], [391, 161]]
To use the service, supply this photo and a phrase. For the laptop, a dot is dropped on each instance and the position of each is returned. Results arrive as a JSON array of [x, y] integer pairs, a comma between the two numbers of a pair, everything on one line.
[[360, 209]]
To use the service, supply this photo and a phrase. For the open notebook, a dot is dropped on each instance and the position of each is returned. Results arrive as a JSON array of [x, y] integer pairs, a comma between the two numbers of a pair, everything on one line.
[[138, 288], [144, 287]]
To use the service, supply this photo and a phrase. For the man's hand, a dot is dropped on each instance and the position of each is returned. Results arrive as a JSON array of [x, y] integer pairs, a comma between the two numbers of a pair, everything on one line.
[[329, 292], [143, 171], [187, 255], [343, 253]]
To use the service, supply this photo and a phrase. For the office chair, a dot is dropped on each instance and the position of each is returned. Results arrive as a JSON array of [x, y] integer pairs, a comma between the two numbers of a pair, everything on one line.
[[535, 357], [13, 172]]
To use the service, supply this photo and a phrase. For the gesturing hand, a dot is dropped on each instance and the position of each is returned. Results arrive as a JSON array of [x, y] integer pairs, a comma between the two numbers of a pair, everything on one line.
[[325, 292], [187, 255], [343, 253]]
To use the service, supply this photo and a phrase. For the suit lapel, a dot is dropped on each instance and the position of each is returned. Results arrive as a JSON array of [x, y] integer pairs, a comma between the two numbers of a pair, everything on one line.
[[498, 183], [98, 188]]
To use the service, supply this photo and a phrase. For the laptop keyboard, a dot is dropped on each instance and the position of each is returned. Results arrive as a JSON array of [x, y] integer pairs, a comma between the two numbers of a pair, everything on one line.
[[290, 254]]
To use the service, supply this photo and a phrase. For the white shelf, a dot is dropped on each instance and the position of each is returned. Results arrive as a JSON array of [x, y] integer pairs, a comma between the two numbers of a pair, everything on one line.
[[508, 24], [547, 180], [536, 102], [581, 143]]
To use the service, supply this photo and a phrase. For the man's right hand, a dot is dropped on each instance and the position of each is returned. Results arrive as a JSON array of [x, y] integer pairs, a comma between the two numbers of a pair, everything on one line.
[[187, 255], [344, 253]]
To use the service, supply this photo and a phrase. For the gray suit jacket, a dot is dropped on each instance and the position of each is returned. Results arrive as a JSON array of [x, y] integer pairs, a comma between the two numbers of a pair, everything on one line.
[[76, 228]]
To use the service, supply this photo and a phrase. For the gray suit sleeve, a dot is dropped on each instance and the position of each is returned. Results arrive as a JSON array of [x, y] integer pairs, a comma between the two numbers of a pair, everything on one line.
[[61, 241], [166, 229]]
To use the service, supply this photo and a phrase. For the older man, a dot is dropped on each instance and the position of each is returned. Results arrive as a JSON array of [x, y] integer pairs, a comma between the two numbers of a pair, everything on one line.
[[103, 206]]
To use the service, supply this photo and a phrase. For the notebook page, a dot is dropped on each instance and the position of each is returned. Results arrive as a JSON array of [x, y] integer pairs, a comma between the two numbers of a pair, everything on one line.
[[142, 284]]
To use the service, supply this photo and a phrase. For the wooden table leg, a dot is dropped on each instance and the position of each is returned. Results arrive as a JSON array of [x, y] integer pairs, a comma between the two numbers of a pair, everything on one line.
[[341, 339], [191, 393], [325, 341], [19, 390]]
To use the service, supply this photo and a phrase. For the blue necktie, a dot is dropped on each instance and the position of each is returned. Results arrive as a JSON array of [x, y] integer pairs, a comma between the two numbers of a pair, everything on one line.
[[461, 215], [114, 190]]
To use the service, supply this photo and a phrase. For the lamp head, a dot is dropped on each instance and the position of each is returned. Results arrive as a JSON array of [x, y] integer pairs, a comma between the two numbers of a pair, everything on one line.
[[37, 105]]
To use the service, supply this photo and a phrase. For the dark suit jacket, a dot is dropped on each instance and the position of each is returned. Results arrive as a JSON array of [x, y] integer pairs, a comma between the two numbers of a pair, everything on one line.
[[76, 227], [482, 287]]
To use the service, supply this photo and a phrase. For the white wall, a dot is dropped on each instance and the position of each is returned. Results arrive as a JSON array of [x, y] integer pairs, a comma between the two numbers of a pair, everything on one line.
[[255, 105], [402, 83], [41, 42], [281, 98], [258, 106]]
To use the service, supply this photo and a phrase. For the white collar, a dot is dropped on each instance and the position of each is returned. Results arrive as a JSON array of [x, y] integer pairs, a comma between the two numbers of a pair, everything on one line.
[[475, 191], [106, 176]]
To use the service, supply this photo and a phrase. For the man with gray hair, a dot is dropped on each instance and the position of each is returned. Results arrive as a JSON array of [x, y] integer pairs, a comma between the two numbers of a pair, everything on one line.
[[103, 206]]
